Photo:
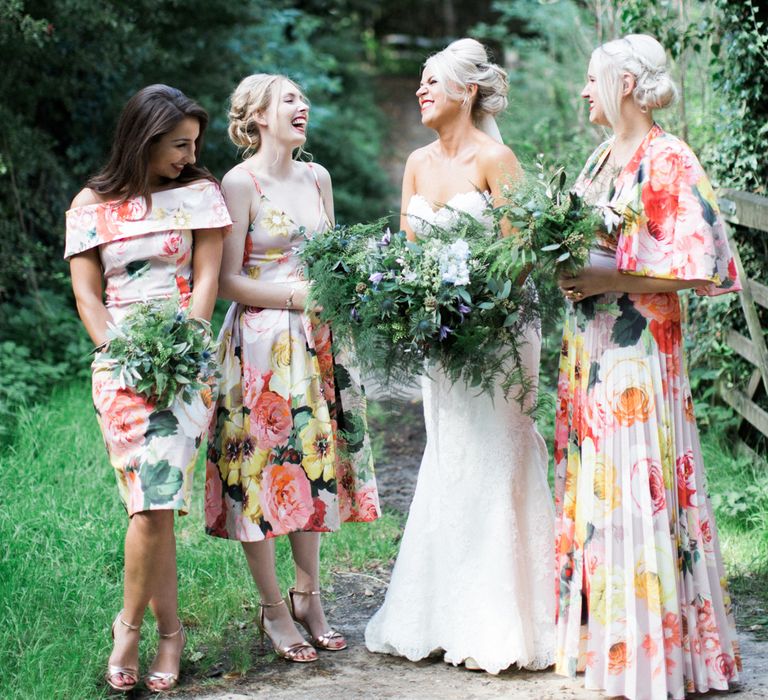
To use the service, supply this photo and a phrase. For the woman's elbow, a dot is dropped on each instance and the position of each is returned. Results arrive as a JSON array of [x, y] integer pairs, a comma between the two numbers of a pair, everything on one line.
[[226, 287]]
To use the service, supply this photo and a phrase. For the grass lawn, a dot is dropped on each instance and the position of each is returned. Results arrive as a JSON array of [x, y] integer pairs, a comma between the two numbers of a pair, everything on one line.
[[62, 529]]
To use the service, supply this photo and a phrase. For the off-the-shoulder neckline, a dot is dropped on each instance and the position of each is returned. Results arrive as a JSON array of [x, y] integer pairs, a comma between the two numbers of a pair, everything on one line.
[[114, 202]]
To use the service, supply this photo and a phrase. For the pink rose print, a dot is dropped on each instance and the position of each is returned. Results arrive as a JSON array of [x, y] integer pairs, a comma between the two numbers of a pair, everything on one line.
[[126, 422], [172, 244], [214, 512], [271, 420], [724, 666], [104, 389], [686, 488], [286, 498], [253, 384], [666, 171], [655, 486], [661, 212], [317, 521], [367, 503]]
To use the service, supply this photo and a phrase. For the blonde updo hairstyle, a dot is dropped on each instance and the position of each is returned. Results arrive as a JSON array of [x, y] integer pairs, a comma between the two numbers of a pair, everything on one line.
[[641, 56], [256, 93], [465, 62]]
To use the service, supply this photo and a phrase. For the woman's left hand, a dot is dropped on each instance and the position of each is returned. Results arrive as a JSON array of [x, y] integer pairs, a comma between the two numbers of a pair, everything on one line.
[[588, 282]]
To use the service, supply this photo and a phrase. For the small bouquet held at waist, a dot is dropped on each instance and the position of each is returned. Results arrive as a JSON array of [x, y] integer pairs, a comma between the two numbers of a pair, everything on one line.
[[159, 351], [458, 295]]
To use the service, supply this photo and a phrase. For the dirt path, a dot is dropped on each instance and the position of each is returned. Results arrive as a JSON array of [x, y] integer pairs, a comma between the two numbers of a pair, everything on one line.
[[356, 673]]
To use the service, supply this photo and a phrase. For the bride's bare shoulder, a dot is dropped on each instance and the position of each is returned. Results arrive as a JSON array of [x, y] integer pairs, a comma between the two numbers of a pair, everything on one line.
[[491, 149], [422, 155], [495, 156]]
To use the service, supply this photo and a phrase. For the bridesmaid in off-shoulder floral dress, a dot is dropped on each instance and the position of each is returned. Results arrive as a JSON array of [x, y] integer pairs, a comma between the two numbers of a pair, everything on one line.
[[148, 226]]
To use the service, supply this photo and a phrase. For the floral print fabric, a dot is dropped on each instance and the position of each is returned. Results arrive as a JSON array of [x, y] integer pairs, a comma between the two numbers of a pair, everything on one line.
[[670, 222], [289, 448], [643, 606], [152, 451]]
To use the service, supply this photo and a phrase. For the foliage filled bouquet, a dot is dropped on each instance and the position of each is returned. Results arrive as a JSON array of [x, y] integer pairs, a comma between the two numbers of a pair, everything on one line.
[[458, 295], [158, 350], [554, 229]]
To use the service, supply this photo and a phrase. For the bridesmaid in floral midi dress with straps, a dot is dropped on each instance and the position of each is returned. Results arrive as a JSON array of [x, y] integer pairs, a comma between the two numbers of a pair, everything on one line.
[[643, 606], [148, 227], [289, 452]]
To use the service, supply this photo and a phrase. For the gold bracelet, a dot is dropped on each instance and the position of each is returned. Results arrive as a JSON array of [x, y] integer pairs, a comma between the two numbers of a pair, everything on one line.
[[289, 300]]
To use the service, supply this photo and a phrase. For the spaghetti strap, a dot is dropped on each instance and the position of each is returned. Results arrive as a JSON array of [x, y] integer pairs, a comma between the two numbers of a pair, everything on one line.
[[253, 178], [323, 214], [314, 176]]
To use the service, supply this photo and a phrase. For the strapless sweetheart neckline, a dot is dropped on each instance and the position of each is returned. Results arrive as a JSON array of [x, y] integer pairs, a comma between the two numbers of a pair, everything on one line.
[[484, 194]]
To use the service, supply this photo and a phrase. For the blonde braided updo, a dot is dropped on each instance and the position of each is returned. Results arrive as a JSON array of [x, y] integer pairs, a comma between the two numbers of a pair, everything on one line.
[[255, 93], [465, 62], [641, 56]]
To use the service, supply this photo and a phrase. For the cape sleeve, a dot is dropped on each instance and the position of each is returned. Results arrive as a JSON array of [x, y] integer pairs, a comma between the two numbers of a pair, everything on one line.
[[676, 230]]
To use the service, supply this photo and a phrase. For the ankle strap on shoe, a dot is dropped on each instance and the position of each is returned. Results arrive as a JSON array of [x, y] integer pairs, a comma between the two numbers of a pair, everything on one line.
[[296, 591], [262, 604], [172, 634], [131, 627]]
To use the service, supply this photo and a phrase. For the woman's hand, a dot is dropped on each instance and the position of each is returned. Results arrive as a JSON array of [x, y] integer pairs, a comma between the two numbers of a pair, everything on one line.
[[589, 282], [301, 296]]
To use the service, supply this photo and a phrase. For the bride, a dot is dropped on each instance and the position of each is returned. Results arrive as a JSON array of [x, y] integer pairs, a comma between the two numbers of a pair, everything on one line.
[[473, 578]]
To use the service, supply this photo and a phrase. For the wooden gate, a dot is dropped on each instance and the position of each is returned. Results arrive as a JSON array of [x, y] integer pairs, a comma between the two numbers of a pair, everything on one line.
[[748, 210]]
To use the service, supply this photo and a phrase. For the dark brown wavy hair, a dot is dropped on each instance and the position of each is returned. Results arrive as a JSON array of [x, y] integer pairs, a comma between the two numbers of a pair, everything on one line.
[[150, 114]]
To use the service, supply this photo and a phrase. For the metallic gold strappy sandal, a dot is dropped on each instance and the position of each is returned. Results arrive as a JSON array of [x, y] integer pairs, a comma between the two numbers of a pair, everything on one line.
[[167, 680], [289, 653], [330, 640], [126, 671]]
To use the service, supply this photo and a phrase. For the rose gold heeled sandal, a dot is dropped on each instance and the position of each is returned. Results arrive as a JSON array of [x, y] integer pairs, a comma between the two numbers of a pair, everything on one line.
[[289, 653], [330, 640], [126, 671], [168, 680]]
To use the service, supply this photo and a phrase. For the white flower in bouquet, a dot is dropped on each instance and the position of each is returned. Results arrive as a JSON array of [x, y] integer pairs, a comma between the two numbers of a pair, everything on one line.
[[453, 263]]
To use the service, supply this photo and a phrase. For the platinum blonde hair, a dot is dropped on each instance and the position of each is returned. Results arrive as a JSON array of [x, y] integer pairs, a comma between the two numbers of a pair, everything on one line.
[[641, 56], [465, 62], [255, 93]]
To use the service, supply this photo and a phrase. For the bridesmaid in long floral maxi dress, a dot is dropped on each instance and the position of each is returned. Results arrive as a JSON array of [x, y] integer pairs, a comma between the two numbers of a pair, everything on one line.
[[643, 605], [148, 226], [289, 451]]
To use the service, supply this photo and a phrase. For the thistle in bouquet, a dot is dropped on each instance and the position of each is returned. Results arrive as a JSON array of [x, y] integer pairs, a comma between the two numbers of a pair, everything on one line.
[[159, 351], [362, 277], [404, 304]]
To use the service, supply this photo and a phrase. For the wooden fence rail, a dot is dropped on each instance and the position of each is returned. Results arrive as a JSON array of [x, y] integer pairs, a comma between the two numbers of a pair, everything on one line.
[[749, 210]]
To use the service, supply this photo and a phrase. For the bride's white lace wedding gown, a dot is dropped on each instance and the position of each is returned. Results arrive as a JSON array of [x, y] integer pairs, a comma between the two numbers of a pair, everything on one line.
[[474, 575]]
